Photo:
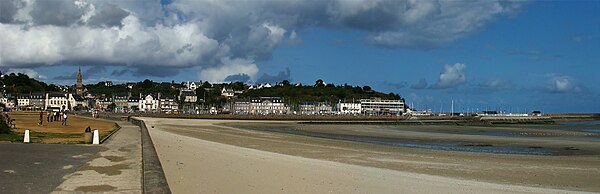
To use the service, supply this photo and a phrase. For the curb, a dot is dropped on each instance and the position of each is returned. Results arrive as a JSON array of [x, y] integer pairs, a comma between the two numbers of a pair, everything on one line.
[[111, 133], [153, 176]]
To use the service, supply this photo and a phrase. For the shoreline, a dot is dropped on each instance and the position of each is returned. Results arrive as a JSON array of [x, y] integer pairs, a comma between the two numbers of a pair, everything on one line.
[[573, 173], [409, 120]]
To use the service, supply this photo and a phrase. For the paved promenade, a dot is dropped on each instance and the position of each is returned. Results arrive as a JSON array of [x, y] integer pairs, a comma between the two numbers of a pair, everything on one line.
[[116, 169], [39, 168]]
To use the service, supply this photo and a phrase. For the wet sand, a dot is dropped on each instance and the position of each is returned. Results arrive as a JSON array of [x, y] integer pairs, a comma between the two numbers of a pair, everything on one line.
[[219, 156]]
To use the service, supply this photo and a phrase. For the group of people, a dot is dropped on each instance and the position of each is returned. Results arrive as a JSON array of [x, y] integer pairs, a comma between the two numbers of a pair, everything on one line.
[[9, 121], [53, 117]]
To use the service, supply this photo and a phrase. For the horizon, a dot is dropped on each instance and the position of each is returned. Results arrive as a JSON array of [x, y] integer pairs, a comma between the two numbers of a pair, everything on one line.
[[517, 55]]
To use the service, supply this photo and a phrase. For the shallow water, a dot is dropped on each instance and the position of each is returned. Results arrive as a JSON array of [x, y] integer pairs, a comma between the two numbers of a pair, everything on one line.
[[582, 126], [436, 145]]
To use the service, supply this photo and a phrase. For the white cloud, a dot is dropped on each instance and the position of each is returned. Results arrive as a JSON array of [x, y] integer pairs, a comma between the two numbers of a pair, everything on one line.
[[229, 67], [133, 44], [451, 76], [202, 33], [563, 84]]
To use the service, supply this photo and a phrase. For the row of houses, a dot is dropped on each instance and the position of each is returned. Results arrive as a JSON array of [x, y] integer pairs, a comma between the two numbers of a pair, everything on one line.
[[277, 105], [43, 101], [115, 103]]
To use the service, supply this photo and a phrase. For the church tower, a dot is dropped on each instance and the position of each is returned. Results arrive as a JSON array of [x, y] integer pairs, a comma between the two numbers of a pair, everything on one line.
[[79, 85]]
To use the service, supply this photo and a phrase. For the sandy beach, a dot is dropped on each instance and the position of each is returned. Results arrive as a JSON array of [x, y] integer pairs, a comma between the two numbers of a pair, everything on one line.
[[221, 156]]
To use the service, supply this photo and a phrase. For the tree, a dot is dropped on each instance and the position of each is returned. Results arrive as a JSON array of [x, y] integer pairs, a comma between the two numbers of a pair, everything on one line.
[[206, 85], [319, 82], [285, 82], [366, 88], [112, 106], [146, 84]]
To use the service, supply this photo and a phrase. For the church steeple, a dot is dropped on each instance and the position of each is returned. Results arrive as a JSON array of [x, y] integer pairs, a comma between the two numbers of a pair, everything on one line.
[[79, 85]]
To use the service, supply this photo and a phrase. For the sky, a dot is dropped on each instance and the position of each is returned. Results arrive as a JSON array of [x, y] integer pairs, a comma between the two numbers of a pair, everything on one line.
[[514, 56]]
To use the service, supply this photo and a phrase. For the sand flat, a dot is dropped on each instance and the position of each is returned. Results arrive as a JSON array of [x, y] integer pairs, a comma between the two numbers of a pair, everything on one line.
[[195, 165]]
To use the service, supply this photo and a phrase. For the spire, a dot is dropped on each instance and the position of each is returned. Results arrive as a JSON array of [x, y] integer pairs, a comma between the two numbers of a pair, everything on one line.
[[79, 84]]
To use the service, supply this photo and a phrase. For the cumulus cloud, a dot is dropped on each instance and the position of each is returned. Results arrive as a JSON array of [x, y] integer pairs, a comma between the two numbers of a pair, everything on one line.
[[237, 78], [563, 84], [452, 76], [282, 75], [230, 67], [147, 34]]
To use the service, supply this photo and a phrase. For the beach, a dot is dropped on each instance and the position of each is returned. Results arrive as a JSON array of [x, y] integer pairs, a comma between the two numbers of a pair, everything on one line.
[[228, 156]]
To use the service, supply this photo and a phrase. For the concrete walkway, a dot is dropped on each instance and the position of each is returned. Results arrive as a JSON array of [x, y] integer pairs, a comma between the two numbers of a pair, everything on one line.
[[40, 168], [117, 169]]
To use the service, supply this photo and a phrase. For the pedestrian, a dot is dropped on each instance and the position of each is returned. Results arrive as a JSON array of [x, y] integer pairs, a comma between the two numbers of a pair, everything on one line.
[[55, 116], [60, 115], [48, 117], [41, 118], [64, 119]]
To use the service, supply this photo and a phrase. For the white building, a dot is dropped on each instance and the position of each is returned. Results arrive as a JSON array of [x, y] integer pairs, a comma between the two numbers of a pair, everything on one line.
[[149, 103], [192, 85], [76, 102], [23, 102], [9, 102], [227, 92], [376, 106], [348, 108], [57, 101]]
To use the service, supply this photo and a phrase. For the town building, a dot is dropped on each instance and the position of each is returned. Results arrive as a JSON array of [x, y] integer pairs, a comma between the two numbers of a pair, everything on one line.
[[168, 104], [76, 102], [241, 106], [348, 108], [192, 85], [11, 102], [121, 102], [133, 102], [37, 101], [260, 105], [188, 96], [23, 102], [149, 103], [315, 108], [103, 102], [56, 102], [260, 86], [376, 106], [227, 92]]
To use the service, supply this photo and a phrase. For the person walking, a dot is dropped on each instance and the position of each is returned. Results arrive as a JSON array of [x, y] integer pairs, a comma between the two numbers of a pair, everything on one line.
[[48, 117], [41, 118], [64, 119]]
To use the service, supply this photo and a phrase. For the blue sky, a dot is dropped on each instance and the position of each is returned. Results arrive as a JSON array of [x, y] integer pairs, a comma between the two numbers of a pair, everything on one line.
[[526, 56]]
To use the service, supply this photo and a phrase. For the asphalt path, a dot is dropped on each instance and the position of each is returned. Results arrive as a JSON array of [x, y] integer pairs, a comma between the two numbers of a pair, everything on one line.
[[39, 168]]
